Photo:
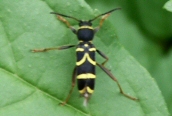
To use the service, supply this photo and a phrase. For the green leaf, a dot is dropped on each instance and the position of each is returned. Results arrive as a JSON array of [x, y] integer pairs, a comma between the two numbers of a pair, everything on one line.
[[153, 55], [168, 5], [33, 84]]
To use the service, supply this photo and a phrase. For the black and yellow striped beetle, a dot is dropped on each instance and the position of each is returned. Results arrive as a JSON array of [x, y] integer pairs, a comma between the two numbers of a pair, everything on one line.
[[84, 70]]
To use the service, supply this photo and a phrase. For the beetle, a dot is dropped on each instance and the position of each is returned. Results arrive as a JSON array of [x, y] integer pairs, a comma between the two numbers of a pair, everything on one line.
[[84, 70]]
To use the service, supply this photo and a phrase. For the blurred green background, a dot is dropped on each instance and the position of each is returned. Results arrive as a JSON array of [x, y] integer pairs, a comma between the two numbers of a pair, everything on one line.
[[145, 29]]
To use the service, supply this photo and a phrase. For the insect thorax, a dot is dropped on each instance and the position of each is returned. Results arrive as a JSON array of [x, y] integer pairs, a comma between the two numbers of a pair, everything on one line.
[[85, 33]]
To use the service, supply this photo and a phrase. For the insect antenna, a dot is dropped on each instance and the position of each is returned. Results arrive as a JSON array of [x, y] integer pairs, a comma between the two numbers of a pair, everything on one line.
[[104, 14], [65, 16]]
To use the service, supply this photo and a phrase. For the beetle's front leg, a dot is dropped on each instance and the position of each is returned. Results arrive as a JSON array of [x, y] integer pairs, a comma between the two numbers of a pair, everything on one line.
[[67, 23], [61, 18], [101, 22]]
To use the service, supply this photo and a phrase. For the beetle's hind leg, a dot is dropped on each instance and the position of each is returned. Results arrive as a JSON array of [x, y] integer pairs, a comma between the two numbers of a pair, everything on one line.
[[71, 90], [113, 78]]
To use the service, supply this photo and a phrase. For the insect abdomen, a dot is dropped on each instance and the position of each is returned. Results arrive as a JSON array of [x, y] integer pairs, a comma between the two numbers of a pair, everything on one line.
[[86, 68]]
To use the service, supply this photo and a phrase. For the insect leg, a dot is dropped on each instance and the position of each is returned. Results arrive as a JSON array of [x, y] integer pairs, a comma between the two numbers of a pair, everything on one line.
[[71, 90], [103, 55], [113, 78], [101, 22], [55, 48], [67, 23]]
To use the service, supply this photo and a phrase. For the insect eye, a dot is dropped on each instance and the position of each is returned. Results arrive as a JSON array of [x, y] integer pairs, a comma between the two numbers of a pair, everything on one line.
[[80, 23]]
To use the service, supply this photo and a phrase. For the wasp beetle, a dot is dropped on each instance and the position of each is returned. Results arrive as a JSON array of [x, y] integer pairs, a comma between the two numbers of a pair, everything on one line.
[[84, 70]]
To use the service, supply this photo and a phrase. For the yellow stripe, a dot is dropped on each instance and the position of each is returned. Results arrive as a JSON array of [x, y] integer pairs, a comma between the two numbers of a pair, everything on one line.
[[92, 49], [80, 49], [82, 91], [86, 56], [89, 90], [81, 61], [86, 76], [86, 45], [90, 60], [86, 27]]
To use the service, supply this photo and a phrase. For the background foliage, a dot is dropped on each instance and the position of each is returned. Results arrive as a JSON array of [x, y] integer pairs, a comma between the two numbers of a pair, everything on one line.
[[146, 32], [34, 84]]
